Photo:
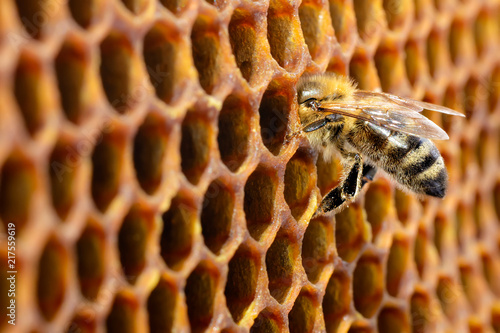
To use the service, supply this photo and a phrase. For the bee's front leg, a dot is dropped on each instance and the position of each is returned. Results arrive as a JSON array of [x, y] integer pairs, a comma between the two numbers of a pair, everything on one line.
[[315, 125], [308, 128], [290, 136], [346, 190]]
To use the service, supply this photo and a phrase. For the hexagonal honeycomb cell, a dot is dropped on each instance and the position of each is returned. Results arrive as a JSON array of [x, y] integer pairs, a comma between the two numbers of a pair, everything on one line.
[[151, 178]]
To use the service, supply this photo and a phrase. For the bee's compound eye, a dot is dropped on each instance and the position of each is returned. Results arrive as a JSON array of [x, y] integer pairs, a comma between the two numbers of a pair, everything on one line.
[[311, 103]]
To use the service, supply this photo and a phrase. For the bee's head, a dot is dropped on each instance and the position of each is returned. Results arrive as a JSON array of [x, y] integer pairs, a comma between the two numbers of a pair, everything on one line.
[[312, 90]]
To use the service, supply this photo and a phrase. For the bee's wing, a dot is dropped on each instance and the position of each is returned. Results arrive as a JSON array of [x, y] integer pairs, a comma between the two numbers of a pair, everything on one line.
[[383, 99], [412, 104], [389, 115], [437, 108]]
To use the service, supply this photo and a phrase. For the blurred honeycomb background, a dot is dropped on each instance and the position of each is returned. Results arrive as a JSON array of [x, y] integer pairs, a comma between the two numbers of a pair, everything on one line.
[[144, 166]]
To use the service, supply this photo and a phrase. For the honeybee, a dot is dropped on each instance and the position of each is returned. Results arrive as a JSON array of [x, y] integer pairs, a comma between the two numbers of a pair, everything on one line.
[[370, 130]]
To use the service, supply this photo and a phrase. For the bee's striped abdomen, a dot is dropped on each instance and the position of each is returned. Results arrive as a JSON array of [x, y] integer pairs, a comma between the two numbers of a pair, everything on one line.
[[423, 170], [413, 161]]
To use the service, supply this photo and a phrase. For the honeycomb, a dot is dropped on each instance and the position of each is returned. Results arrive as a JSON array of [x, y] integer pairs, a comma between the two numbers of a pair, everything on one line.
[[144, 167]]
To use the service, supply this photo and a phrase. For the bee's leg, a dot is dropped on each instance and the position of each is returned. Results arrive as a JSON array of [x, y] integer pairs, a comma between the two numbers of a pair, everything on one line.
[[308, 128], [369, 172], [346, 190], [315, 125]]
